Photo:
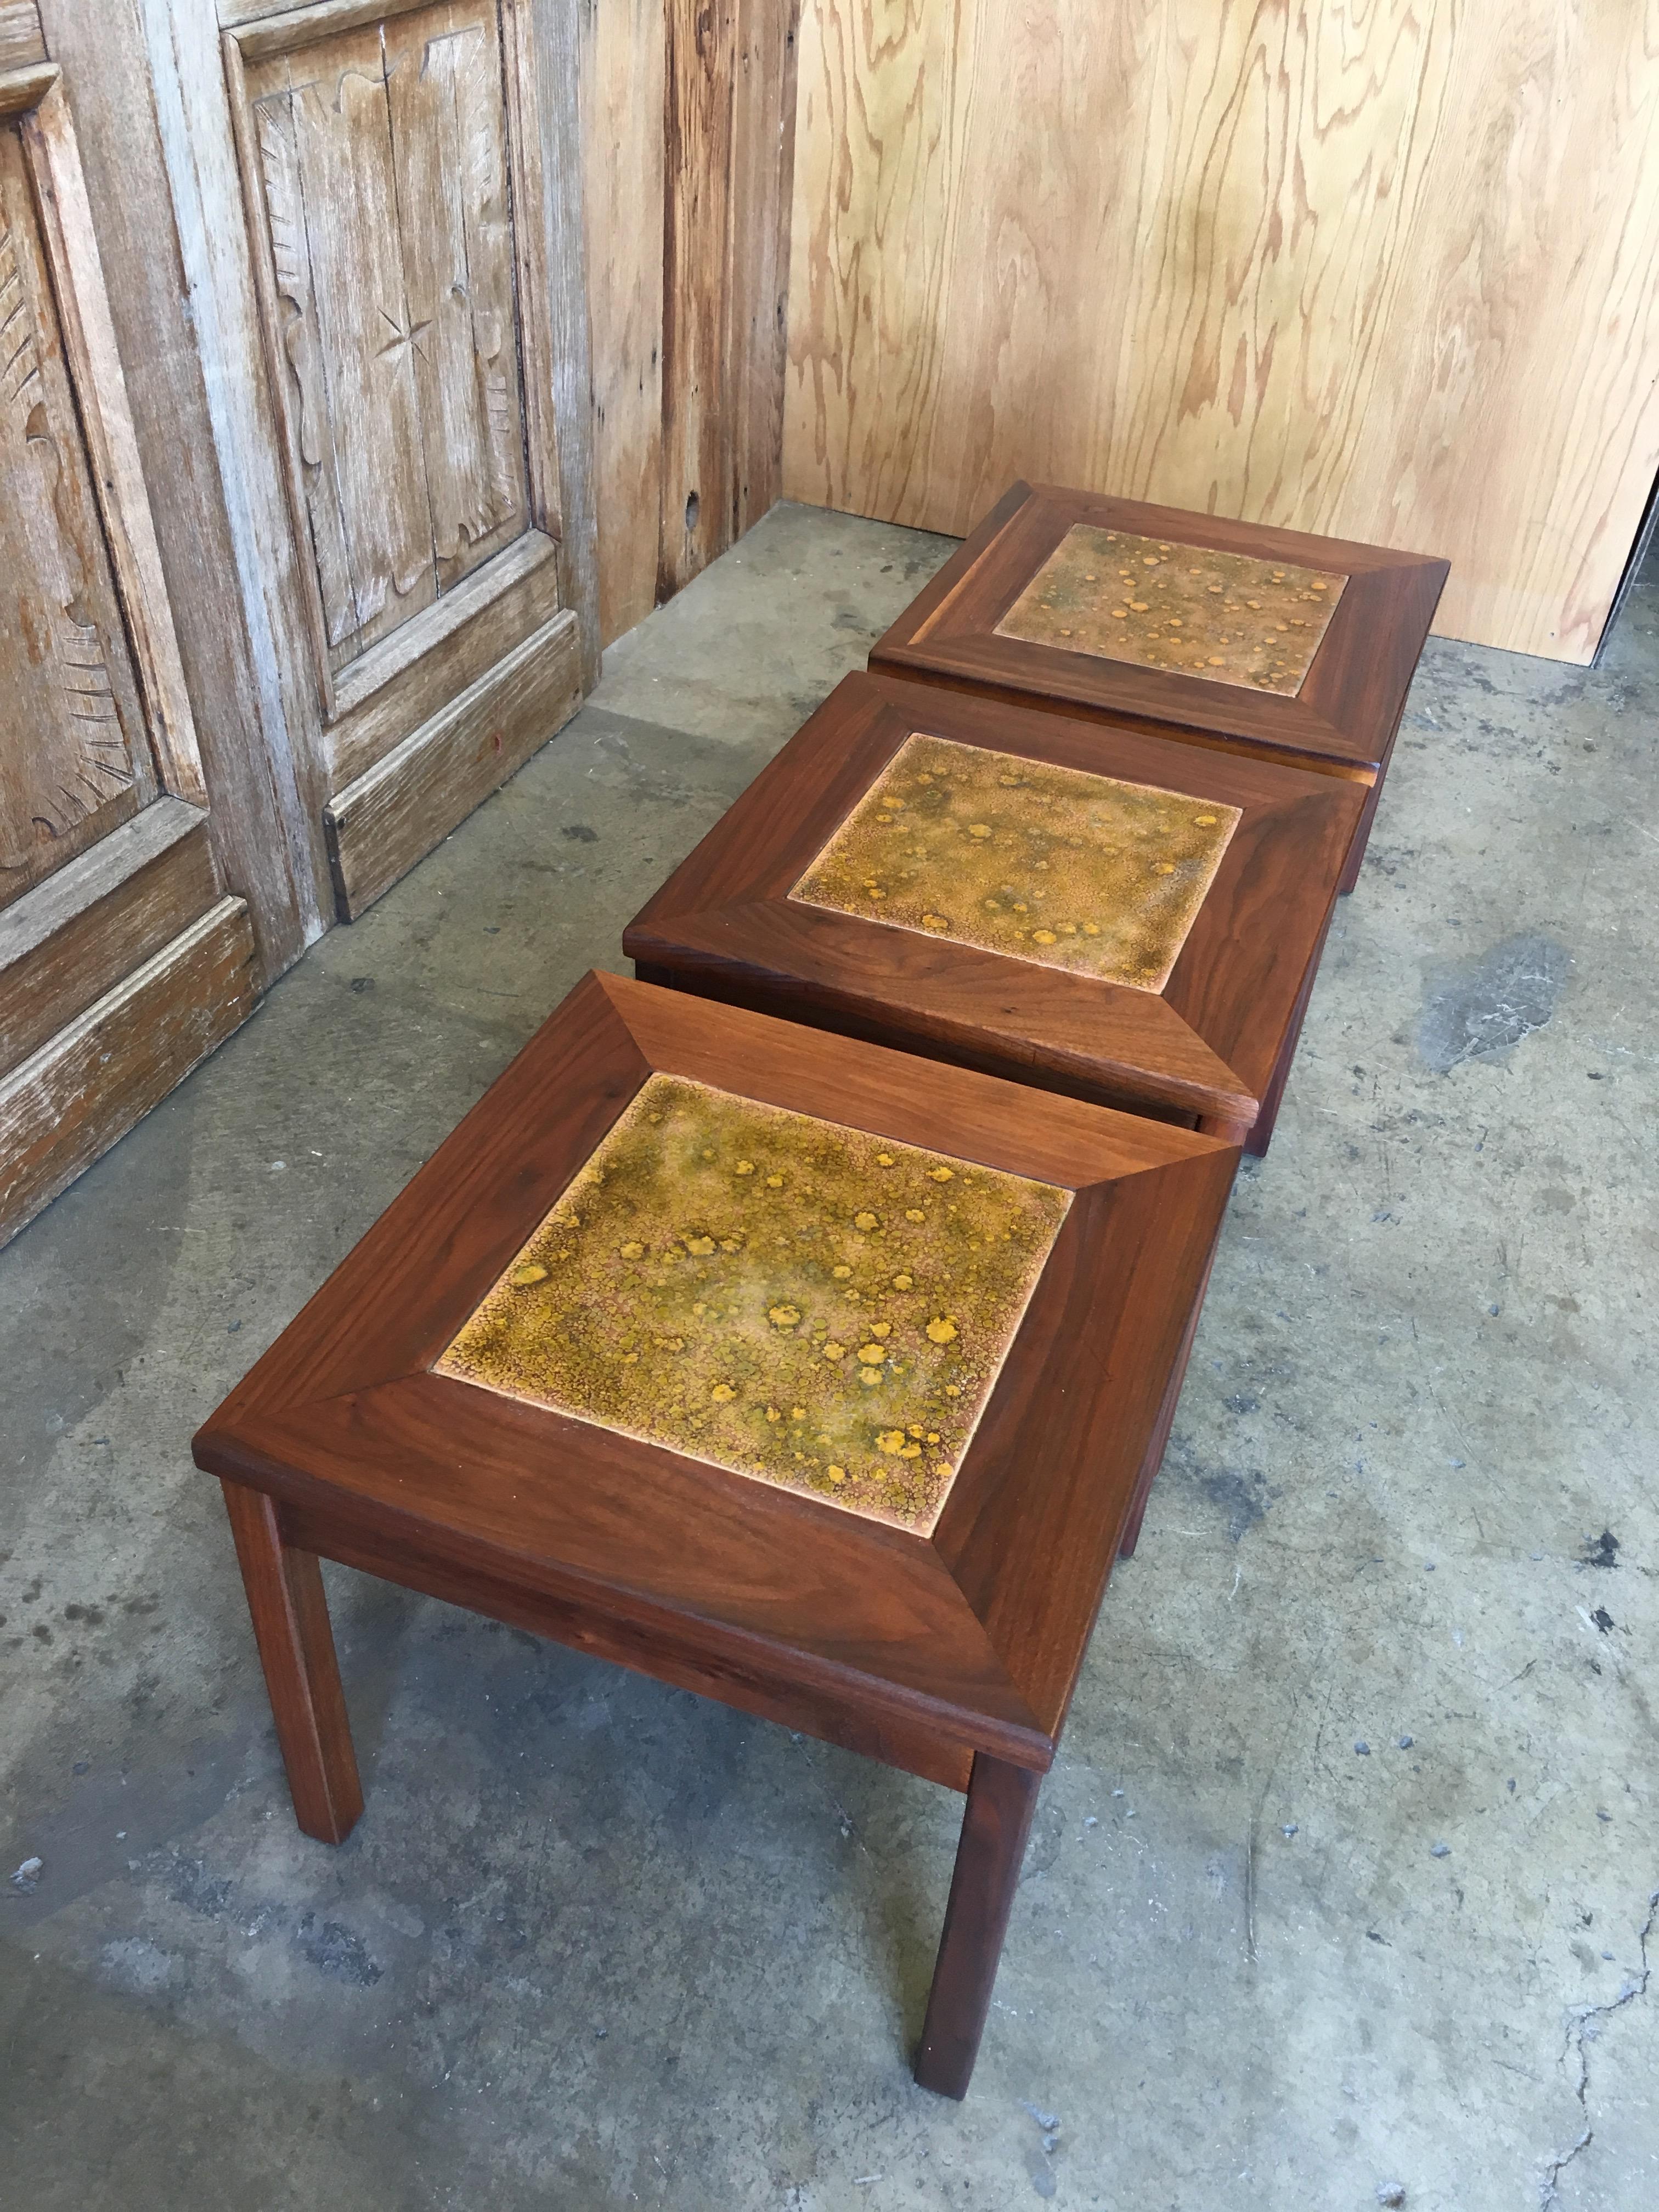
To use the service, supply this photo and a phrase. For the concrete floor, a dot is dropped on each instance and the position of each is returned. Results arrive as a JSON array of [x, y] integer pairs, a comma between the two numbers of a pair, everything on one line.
[[1344, 1878]]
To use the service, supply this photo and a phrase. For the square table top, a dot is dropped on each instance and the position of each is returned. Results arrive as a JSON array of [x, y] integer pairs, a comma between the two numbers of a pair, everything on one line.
[[1272, 640], [774, 1363], [1092, 904]]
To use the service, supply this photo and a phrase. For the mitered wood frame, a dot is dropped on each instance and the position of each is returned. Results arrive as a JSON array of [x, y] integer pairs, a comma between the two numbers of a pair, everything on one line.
[[953, 1656], [1342, 721], [1212, 1046], [921, 1650]]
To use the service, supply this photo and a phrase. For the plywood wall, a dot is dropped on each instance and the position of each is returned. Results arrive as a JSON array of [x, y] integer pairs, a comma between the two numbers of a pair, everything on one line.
[[689, 114], [1387, 269]]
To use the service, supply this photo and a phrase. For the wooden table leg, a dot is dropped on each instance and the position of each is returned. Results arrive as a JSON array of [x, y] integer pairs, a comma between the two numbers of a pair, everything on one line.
[[1166, 1413], [1001, 1800], [1259, 1136], [296, 1649], [1362, 836]]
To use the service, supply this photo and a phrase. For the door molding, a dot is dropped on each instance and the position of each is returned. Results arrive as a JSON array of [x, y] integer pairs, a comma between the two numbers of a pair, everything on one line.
[[47, 132], [363, 666]]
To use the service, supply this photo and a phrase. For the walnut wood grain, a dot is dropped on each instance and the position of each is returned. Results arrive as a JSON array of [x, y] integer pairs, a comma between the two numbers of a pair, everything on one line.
[[731, 1674], [1208, 1044], [1342, 719], [343, 1414], [1202, 282], [995, 1828], [1159, 1439], [953, 1656], [289, 1611]]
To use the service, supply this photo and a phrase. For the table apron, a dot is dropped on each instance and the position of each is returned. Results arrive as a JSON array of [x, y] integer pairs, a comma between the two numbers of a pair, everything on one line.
[[898, 1739]]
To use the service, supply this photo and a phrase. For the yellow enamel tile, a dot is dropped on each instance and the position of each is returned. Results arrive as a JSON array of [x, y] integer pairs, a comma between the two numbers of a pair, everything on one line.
[[787, 1298], [1155, 603], [1073, 871]]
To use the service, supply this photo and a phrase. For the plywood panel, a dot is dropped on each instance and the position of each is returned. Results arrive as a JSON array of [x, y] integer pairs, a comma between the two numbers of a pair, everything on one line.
[[623, 141], [1389, 272], [696, 425], [689, 112]]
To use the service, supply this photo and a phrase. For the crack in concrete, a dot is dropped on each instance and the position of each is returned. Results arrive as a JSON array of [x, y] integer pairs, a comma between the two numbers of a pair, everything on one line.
[[1581, 2029]]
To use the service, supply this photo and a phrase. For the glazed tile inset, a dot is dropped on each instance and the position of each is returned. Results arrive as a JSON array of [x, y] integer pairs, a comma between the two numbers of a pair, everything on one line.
[[786, 1298], [1038, 862], [1188, 610]]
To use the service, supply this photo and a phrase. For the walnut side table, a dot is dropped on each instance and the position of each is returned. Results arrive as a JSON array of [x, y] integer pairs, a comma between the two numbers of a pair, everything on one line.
[[773, 1365], [1273, 642], [1089, 907]]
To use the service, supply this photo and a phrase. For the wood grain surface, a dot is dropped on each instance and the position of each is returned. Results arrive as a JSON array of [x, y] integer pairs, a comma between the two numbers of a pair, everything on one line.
[[953, 1655], [378, 157], [1388, 272], [289, 1610], [1209, 1044], [87, 1085], [20, 42], [73, 761], [688, 112], [73, 936], [995, 1827], [972, 1638], [397, 811], [1343, 716], [624, 51], [541, 42], [411, 675]]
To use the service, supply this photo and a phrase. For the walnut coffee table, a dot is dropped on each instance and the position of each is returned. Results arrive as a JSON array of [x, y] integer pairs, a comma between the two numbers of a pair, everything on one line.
[[1288, 647], [775, 1366], [1093, 908]]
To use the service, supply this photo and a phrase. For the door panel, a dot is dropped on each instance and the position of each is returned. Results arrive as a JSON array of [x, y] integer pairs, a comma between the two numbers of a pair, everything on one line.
[[101, 1072], [392, 328], [122, 960], [399, 683], [346, 331], [395, 173], [75, 763]]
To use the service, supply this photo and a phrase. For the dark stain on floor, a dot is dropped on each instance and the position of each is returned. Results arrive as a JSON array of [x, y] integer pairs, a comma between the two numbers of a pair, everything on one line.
[[1483, 1006]]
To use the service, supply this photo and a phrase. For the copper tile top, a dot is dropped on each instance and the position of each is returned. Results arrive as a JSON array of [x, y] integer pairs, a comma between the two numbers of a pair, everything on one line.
[[783, 1296], [1227, 617], [1041, 863]]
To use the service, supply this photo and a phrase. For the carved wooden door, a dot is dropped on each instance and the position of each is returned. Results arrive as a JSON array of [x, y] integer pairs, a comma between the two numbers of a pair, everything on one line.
[[393, 245], [121, 960]]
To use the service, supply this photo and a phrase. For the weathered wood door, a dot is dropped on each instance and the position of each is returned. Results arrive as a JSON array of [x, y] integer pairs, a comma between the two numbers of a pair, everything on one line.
[[122, 960], [384, 204]]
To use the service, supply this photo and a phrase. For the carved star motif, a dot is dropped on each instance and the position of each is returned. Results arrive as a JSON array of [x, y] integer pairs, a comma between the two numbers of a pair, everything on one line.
[[402, 340]]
